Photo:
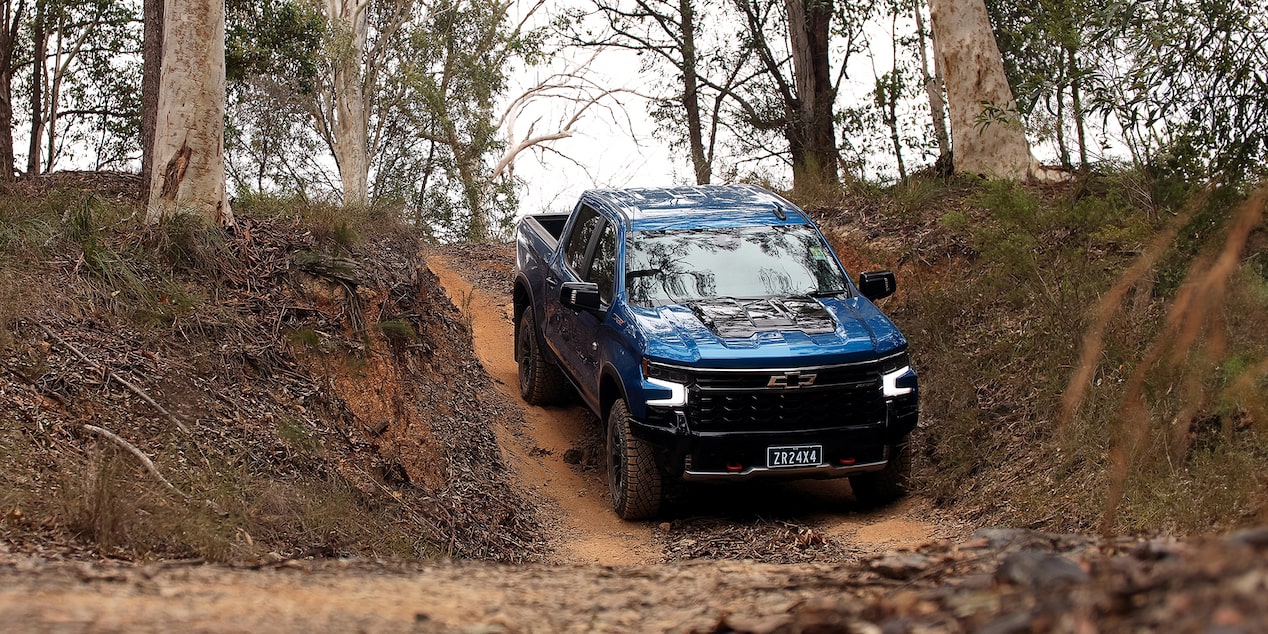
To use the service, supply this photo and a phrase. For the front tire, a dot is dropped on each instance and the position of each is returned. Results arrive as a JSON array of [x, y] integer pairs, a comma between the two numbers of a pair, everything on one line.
[[541, 382], [633, 476], [884, 486]]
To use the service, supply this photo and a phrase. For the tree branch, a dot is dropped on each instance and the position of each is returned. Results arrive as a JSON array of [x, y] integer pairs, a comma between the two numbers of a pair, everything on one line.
[[145, 461]]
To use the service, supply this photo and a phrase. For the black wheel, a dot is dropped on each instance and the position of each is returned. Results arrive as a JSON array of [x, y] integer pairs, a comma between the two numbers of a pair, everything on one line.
[[541, 382], [633, 477], [886, 485]]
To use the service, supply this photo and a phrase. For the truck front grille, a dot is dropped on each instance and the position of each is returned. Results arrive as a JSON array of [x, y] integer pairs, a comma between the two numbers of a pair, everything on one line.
[[815, 398]]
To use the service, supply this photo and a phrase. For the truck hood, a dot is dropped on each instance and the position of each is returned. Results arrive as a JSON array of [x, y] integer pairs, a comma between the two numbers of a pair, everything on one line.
[[783, 332]]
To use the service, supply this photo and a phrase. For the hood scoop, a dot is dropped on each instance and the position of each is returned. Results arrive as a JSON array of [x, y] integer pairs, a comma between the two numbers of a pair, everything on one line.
[[731, 318]]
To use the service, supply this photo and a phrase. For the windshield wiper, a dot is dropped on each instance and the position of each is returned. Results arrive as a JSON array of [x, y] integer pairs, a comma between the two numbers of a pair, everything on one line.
[[642, 273]]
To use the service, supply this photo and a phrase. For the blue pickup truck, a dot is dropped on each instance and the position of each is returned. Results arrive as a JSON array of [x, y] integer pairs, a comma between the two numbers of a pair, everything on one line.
[[715, 333]]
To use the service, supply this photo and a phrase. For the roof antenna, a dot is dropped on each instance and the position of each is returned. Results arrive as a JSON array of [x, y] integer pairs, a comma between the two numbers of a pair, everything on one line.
[[779, 212]]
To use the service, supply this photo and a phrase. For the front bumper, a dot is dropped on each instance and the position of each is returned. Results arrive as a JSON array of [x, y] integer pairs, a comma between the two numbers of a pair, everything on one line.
[[685, 452]]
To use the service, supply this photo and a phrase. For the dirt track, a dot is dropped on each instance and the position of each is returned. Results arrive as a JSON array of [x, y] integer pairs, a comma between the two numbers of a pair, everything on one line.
[[588, 530]]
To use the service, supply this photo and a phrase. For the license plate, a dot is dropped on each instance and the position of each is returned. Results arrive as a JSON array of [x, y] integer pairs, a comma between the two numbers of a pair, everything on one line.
[[798, 456]]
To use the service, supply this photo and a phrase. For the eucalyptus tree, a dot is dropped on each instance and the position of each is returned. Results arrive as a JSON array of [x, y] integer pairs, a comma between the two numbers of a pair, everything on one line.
[[1186, 81], [932, 82], [1043, 47], [445, 147], [273, 63], [360, 37], [151, 63], [188, 160], [790, 42], [987, 131], [11, 22]]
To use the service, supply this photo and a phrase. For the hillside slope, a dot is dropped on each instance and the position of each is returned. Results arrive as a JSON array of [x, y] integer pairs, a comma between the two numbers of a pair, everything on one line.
[[300, 389]]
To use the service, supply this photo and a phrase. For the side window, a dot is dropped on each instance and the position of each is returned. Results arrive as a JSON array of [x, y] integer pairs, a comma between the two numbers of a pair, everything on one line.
[[575, 251], [603, 266]]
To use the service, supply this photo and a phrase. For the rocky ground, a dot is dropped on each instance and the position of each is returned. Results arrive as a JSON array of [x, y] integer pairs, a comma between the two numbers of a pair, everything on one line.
[[995, 581]]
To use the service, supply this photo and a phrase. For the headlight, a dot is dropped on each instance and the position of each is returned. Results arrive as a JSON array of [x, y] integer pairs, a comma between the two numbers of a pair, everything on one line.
[[666, 378], [895, 362], [654, 370]]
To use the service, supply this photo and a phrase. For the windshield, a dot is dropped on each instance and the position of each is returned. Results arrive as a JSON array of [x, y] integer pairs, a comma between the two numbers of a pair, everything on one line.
[[673, 267]]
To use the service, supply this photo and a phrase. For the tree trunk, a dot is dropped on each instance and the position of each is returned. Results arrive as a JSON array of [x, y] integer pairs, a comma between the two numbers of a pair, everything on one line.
[[349, 125], [151, 61], [38, 73], [933, 86], [987, 136], [8, 40], [351, 134], [691, 94], [54, 98], [812, 138], [1063, 151], [1077, 104], [12, 25], [188, 162]]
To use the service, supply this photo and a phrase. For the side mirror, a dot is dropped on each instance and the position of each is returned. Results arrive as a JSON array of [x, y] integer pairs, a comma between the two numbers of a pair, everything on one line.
[[580, 295], [877, 284]]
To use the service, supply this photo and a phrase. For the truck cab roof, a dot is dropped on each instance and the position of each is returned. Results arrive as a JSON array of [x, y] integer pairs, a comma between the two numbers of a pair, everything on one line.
[[698, 206]]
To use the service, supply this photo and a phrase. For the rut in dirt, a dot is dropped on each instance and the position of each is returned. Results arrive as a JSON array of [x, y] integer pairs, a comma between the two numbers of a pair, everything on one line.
[[557, 455]]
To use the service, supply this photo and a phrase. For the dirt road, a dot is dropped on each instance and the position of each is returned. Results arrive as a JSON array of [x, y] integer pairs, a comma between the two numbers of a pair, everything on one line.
[[588, 530], [339, 596]]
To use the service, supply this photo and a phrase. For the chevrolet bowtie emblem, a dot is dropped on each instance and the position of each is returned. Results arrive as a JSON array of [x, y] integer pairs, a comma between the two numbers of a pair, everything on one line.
[[791, 380]]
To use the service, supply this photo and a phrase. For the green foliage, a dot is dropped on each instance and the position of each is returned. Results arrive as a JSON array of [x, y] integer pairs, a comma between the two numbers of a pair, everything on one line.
[[334, 227], [399, 331], [430, 81], [914, 194], [305, 338], [274, 38], [299, 438], [1181, 77], [1206, 223], [956, 221], [96, 101]]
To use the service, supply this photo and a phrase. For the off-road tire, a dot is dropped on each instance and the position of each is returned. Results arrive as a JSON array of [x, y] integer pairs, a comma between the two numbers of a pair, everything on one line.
[[633, 475], [884, 486], [541, 382]]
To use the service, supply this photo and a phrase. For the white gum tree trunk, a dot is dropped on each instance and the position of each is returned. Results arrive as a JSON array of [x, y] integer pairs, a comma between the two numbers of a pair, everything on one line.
[[987, 136], [344, 109], [188, 172]]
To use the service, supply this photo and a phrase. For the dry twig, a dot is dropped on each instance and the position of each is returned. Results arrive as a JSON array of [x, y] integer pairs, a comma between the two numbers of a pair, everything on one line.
[[145, 460]]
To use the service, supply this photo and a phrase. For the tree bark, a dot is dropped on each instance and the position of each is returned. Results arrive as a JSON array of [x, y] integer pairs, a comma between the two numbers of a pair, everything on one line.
[[987, 137], [811, 135], [12, 23], [691, 94], [345, 110], [1076, 77], [151, 62], [39, 37], [188, 161], [933, 86]]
